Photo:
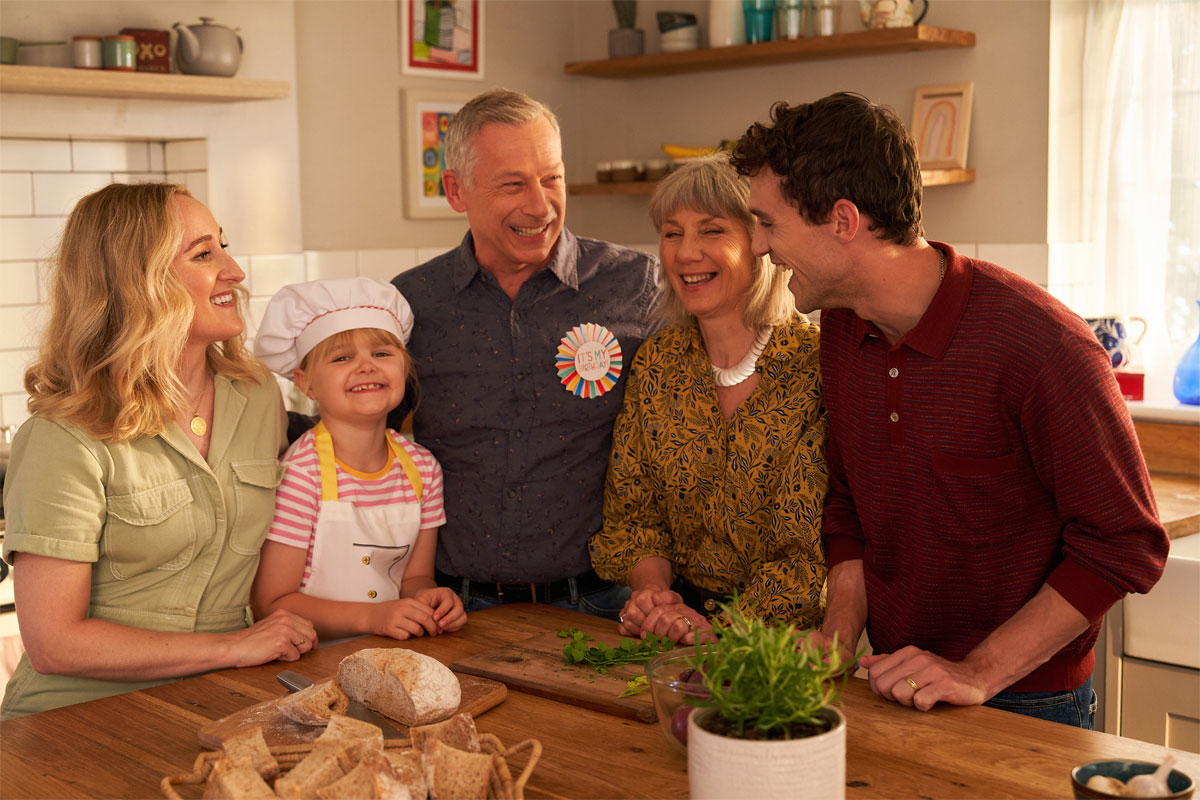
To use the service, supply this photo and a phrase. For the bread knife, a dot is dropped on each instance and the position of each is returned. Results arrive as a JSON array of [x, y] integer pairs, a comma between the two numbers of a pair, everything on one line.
[[294, 682]]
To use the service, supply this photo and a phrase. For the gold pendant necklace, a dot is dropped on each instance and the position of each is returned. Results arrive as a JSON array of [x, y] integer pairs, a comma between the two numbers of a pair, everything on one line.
[[198, 425]]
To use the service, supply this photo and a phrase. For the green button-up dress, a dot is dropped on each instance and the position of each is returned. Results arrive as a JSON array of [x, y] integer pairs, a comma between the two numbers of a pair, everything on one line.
[[173, 539]]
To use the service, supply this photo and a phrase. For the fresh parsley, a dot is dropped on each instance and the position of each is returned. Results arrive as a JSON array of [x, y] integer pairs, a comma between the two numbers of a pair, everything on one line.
[[602, 657]]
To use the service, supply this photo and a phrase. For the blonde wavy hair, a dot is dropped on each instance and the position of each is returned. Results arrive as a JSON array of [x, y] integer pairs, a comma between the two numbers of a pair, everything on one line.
[[710, 185], [120, 317]]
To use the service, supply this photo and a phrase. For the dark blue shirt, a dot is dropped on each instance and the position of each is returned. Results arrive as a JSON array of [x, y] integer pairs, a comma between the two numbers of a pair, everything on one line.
[[524, 458]]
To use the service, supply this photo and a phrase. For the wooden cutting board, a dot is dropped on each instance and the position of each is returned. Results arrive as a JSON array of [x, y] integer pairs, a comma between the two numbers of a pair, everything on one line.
[[535, 666], [478, 695]]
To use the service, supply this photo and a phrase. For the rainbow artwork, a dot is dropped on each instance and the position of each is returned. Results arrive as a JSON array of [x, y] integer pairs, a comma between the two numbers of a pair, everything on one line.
[[937, 130], [433, 151], [589, 360]]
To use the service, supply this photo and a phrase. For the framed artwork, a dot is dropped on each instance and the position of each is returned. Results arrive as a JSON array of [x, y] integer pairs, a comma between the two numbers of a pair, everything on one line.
[[941, 123], [426, 115], [441, 38]]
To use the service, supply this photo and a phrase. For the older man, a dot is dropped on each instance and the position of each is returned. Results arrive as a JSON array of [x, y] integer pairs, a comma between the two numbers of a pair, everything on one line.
[[988, 501], [523, 337]]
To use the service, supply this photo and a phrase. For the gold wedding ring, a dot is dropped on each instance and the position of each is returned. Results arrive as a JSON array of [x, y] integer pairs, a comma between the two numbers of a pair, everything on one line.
[[688, 622], [909, 680], [301, 643]]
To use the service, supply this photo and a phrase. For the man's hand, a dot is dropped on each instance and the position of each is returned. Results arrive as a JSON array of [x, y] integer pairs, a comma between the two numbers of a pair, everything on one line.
[[920, 679]]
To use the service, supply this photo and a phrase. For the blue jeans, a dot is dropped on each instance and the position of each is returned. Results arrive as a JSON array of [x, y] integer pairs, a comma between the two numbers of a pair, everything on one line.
[[605, 603], [1077, 708]]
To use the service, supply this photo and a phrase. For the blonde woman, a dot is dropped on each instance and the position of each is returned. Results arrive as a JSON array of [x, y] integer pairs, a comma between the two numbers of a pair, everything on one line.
[[716, 483], [139, 492]]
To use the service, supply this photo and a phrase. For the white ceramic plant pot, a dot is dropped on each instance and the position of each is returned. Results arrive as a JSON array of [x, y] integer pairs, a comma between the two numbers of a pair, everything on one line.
[[723, 768]]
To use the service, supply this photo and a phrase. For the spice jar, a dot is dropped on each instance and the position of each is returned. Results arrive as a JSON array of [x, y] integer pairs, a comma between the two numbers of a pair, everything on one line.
[[603, 172], [87, 52], [657, 169], [624, 171], [120, 53]]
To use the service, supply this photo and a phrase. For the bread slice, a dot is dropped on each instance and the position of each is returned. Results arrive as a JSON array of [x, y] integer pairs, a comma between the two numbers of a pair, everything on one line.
[[235, 779], [324, 765], [372, 779], [407, 686], [250, 746], [314, 705], [388, 783], [453, 774], [356, 736], [458, 731], [407, 766]]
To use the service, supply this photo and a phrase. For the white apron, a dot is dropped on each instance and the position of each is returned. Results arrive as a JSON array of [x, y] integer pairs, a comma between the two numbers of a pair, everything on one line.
[[360, 554]]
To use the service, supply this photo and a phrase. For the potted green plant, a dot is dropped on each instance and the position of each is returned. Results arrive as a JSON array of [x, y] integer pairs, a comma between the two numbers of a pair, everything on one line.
[[625, 40], [769, 727]]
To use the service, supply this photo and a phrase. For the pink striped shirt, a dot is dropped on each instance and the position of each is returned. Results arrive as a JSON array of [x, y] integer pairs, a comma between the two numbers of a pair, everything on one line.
[[299, 495]]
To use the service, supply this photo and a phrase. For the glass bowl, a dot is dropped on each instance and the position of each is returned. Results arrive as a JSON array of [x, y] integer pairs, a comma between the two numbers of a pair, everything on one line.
[[668, 675]]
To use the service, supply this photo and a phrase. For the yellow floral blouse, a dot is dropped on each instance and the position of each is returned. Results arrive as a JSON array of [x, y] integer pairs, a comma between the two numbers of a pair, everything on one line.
[[733, 504]]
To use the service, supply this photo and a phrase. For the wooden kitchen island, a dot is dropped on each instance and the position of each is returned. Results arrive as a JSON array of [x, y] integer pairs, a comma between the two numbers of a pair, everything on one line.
[[121, 747]]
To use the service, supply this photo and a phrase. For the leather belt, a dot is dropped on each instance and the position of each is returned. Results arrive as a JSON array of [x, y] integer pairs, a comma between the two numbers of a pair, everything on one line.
[[524, 591]]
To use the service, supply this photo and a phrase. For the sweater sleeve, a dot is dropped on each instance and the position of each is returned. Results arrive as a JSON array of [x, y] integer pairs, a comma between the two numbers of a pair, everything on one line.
[[1082, 443]]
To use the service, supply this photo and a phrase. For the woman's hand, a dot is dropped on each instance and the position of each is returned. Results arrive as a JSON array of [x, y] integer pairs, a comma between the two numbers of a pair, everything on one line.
[[281, 636], [447, 607], [403, 619], [678, 622], [639, 605]]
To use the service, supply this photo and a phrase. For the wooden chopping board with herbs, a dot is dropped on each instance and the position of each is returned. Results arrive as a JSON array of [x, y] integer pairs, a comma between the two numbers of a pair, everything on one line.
[[599, 671]]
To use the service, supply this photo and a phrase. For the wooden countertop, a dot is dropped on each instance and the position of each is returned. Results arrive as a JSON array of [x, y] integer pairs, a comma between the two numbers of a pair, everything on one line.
[[1178, 499], [122, 746]]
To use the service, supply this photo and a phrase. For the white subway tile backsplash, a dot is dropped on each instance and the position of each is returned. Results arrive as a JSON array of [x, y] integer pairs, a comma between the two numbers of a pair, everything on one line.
[[330, 264], [27, 238], [254, 316], [196, 183], [16, 194], [110, 156], [1029, 260], [384, 265], [187, 155], [158, 158], [35, 155], [268, 274], [964, 249], [12, 369], [429, 253], [13, 410], [138, 177], [20, 326], [56, 193], [19, 280]]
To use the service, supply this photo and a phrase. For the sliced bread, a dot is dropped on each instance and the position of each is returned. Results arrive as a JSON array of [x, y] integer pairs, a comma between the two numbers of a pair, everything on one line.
[[235, 779], [356, 736], [250, 746], [407, 766], [314, 705], [453, 774], [324, 765], [407, 686], [458, 731]]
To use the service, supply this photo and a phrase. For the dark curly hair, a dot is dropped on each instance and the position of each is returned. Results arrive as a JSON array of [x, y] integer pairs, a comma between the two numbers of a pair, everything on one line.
[[841, 146]]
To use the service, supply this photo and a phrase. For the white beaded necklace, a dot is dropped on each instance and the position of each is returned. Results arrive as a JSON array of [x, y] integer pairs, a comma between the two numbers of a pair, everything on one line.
[[732, 376]]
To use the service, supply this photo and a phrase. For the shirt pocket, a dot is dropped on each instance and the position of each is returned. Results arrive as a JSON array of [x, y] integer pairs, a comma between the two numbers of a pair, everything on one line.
[[150, 529], [982, 496], [254, 484]]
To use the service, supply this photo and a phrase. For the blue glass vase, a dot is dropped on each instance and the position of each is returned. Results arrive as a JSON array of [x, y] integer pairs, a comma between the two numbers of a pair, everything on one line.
[[1187, 375]]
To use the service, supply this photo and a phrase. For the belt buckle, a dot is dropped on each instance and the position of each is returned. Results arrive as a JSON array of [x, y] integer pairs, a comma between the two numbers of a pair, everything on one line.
[[500, 591]]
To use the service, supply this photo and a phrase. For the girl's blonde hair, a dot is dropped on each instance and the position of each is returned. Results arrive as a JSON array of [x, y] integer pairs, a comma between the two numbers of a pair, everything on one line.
[[373, 336], [120, 317], [711, 186]]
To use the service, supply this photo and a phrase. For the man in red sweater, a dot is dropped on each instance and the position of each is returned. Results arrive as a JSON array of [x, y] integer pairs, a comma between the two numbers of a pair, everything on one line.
[[988, 501]]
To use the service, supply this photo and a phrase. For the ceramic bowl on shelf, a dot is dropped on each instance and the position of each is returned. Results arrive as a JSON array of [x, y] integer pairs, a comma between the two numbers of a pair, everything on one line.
[[672, 681], [1179, 784]]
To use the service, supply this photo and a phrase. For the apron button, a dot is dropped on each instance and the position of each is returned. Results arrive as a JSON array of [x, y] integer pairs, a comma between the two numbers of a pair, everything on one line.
[[371, 594], [366, 559]]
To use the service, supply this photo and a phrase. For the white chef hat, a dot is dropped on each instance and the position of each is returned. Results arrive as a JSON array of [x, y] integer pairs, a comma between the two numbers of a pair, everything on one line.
[[302, 315]]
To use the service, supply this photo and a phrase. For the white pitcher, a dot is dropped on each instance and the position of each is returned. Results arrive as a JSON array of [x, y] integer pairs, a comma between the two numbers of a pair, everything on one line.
[[890, 13]]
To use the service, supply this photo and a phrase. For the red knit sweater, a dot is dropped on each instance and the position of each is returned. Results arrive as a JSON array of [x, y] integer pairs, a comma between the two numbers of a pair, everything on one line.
[[987, 453]]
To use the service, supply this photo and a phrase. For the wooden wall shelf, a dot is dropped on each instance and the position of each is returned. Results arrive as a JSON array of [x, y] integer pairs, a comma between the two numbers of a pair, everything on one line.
[[813, 48], [929, 177], [136, 85]]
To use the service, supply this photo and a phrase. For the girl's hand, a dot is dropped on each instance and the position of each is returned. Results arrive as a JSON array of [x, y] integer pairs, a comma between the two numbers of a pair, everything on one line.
[[281, 636], [403, 618], [447, 607]]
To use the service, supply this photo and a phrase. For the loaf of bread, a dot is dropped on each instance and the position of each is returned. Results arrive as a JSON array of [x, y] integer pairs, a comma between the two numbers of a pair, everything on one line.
[[314, 705], [251, 747], [458, 731], [235, 779], [407, 686], [453, 774]]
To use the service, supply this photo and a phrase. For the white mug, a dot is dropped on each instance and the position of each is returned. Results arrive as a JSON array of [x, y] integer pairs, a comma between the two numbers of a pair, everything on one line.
[[890, 13]]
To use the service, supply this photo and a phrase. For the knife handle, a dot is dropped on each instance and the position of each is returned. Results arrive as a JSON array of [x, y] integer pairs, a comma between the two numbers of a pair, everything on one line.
[[294, 681]]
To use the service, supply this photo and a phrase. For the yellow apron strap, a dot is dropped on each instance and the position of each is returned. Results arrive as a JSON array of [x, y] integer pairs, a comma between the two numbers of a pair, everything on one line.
[[410, 467], [329, 489]]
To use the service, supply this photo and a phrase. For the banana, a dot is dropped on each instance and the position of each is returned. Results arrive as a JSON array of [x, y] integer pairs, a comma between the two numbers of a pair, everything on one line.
[[678, 151]]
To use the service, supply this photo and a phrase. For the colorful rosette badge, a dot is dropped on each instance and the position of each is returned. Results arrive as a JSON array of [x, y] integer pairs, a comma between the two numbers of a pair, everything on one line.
[[589, 360]]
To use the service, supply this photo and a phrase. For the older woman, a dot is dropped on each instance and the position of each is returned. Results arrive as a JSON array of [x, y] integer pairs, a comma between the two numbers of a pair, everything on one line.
[[717, 479], [139, 492]]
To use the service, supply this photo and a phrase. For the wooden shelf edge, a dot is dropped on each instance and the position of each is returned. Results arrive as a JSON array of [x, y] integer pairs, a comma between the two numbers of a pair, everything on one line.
[[929, 177], [842, 45], [20, 79]]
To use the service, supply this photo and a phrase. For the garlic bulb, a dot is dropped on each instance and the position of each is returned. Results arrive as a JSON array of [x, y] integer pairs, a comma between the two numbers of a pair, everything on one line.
[[1107, 785], [1154, 785]]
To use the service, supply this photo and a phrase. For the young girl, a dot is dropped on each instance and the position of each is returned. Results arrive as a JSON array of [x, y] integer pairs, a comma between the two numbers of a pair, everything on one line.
[[352, 543]]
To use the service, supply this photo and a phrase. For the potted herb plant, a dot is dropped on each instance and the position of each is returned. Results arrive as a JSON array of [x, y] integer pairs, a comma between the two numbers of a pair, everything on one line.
[[769, 727], [625, 40]]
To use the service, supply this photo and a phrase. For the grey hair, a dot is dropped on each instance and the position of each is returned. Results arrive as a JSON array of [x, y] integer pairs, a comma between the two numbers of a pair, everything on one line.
[[502, 106], [710, 185]]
